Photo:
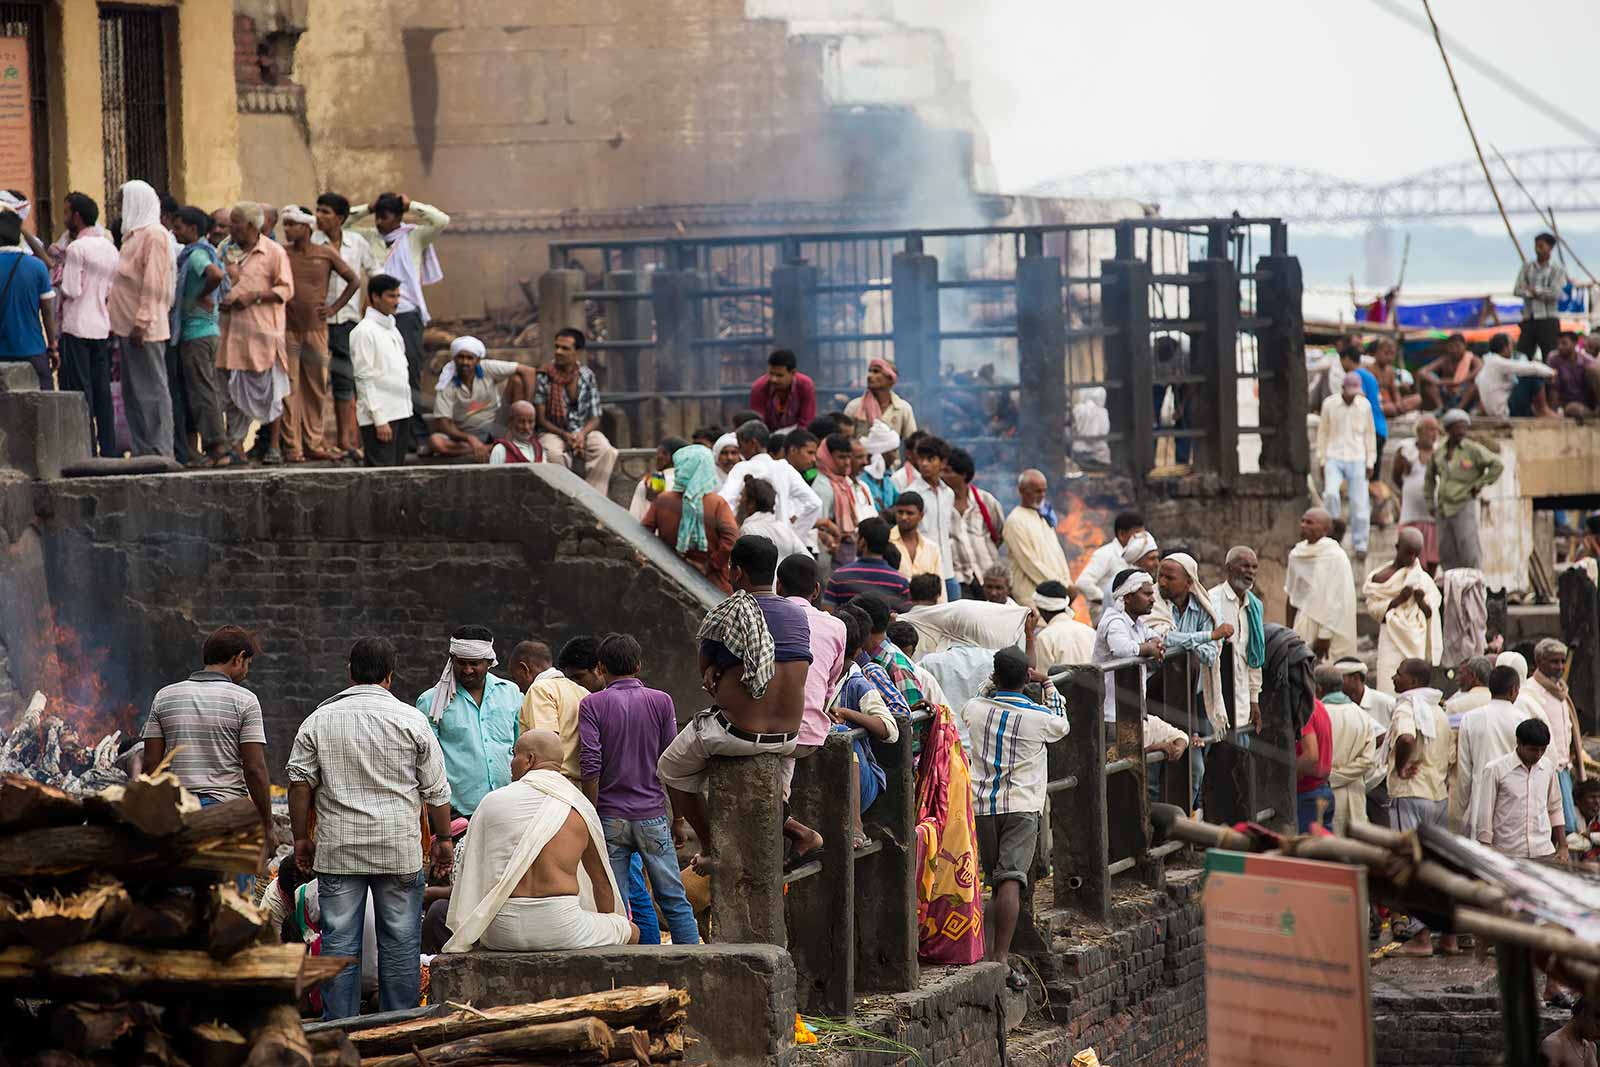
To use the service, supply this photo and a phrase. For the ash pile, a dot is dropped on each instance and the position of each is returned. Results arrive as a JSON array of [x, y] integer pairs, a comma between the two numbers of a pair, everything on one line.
[[123, 937], [48, 749]]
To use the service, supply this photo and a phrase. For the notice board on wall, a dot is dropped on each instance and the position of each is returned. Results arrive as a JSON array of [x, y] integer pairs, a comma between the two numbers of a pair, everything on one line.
[[16, 117], [1287, 978]]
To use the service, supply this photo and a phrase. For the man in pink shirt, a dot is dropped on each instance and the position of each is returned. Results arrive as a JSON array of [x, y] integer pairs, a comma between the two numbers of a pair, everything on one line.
[[797, 581], [137, 307], [254, 346], [88, 263]]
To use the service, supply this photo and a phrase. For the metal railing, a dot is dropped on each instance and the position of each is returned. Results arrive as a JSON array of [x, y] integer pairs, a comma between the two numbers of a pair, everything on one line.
[[965, 313], [849, 917]]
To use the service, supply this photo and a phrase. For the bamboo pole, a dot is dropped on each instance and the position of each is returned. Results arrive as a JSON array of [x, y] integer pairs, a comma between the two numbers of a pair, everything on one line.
[[1456, 89], [1547, 216]]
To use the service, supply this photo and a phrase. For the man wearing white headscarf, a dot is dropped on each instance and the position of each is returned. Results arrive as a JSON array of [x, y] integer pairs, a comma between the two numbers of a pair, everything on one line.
[[1405, 603], [1322, 590], [474, 715], [880, 442], [1062, 639], [726, 454], [469, 401], [1032, 545], [138, 306], [1122, 634]]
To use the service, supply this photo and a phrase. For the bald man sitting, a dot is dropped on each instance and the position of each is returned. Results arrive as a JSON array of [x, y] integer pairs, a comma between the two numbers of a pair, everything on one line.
[[532, 874], [520, 444]]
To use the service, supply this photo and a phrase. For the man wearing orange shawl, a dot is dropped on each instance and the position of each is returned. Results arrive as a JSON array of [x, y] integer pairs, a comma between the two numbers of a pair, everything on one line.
[[833, 461], [880, 402]]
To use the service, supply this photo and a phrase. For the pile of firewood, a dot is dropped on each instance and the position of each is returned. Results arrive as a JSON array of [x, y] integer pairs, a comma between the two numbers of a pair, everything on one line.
[[123, 939], [632, 1025], [47, 748]]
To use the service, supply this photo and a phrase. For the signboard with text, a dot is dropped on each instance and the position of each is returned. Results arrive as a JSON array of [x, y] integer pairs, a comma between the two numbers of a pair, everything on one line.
[[16, 117], [1286, 963]]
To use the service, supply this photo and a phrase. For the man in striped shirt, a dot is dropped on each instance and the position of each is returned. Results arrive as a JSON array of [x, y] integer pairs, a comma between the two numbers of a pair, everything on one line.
[[870, 572], [212, 726], [1009, 735]]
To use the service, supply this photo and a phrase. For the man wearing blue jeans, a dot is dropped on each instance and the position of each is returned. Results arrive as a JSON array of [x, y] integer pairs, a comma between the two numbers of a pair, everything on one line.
[[1347, 443], [623, 730], [370, 763]]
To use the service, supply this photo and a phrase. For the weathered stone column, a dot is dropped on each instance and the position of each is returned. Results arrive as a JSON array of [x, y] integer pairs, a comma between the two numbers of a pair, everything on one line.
[[794, 312], [745, 804], [1125, 310], [559, 308], [1041, 364], [886, 935], [915, 280], [1282, 364], [822, 906]]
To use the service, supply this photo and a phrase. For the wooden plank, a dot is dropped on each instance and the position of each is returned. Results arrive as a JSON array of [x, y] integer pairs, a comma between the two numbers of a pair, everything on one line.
[[222, 838], [98, 968], [648, 1007], [584, 1040], [25, 803]]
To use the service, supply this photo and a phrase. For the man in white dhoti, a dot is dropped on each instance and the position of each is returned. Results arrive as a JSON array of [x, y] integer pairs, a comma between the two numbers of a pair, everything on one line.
[[533, 875], [1405, 603], [1321, 589], [1355, 750]]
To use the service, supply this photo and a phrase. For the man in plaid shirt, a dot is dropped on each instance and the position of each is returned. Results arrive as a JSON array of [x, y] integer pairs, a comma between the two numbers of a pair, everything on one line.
[[566, 398], [370, 763]]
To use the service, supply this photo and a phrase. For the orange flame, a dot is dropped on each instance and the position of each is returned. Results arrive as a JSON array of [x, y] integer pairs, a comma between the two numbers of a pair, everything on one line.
[[1084, 529], [83, 700]]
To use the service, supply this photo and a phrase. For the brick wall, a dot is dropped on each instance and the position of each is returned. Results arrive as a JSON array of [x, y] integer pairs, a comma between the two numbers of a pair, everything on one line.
[[140, 569], [246, 51], [1433, 1028]]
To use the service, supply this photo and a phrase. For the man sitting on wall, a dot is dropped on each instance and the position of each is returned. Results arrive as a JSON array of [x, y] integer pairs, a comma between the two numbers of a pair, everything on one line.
[[533, 874], [470, 400]]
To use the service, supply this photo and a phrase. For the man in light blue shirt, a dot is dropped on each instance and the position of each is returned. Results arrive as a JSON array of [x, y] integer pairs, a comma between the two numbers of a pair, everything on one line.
[[474, 715], [1195, 629]]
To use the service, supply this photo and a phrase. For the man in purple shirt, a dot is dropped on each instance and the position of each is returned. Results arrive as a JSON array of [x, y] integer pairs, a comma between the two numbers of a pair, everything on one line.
[[783, 396], [622, 731]]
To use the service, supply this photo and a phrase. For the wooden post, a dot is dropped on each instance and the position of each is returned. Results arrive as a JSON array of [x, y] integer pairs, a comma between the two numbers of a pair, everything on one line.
[[1580, 629], [1079, 844], [915, 309], [679, 364], [822, 908], [559, 308], [1272, 762], [1214, 352], [886, 882], [1128, 792], [1041, 365], [1282, 361], [632, 370], [744, 805], [1519, 1005], [1125, 307], [794, 312]]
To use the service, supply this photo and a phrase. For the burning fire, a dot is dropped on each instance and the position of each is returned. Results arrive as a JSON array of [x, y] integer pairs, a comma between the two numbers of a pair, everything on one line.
[[82, 700], [1084, 529]]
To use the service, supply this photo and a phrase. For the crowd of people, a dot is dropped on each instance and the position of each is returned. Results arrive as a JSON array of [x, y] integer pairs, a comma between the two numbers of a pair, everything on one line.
[[304, 325]]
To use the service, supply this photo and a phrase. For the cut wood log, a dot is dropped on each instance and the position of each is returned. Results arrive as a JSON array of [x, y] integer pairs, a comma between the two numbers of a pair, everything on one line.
[[234, 922], [167, 918], [223, 838], [277, 1039], [99, 969], [52, 923], [153, 804], [27, 804], [157, 1051], [633, 1046], [8, 919], [90, 1028], [215, 1044], [586, 1040], [332, 1048], [643, 1007]]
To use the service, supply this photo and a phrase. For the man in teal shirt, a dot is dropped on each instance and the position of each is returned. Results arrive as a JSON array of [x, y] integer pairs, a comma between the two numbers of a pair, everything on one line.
[[474, 715], [195, 332]]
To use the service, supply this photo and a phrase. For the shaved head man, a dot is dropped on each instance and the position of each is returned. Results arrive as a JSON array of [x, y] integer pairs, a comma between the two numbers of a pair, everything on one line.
[[1321, 589], [1404, 600], [521, 442], [505, 902], [1033, 548]]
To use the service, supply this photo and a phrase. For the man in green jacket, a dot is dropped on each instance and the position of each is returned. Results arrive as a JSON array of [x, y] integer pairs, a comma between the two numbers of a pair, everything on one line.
[[1457, 473]]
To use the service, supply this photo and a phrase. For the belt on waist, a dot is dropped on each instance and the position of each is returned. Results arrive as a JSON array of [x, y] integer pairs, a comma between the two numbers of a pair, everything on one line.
[[755, 739]]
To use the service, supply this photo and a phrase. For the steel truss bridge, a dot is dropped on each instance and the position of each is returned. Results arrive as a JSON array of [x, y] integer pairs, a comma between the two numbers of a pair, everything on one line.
[[1566, 180]]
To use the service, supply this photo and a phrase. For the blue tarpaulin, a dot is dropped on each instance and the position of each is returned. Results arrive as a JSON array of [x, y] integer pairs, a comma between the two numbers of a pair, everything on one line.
[[1464, 314]]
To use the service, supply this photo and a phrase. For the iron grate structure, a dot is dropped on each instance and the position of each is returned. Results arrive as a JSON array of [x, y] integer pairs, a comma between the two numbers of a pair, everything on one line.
[[133, 97]]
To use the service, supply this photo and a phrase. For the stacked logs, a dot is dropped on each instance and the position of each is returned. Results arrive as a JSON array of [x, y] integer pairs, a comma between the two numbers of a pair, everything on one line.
[[632, 1025], [124, 941]]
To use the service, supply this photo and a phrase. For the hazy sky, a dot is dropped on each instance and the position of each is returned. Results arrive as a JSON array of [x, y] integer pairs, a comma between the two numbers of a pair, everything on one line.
[[1341, 86]]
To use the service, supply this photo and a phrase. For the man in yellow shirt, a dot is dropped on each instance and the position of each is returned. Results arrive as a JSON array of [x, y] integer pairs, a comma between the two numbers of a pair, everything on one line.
[[552, 703]]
